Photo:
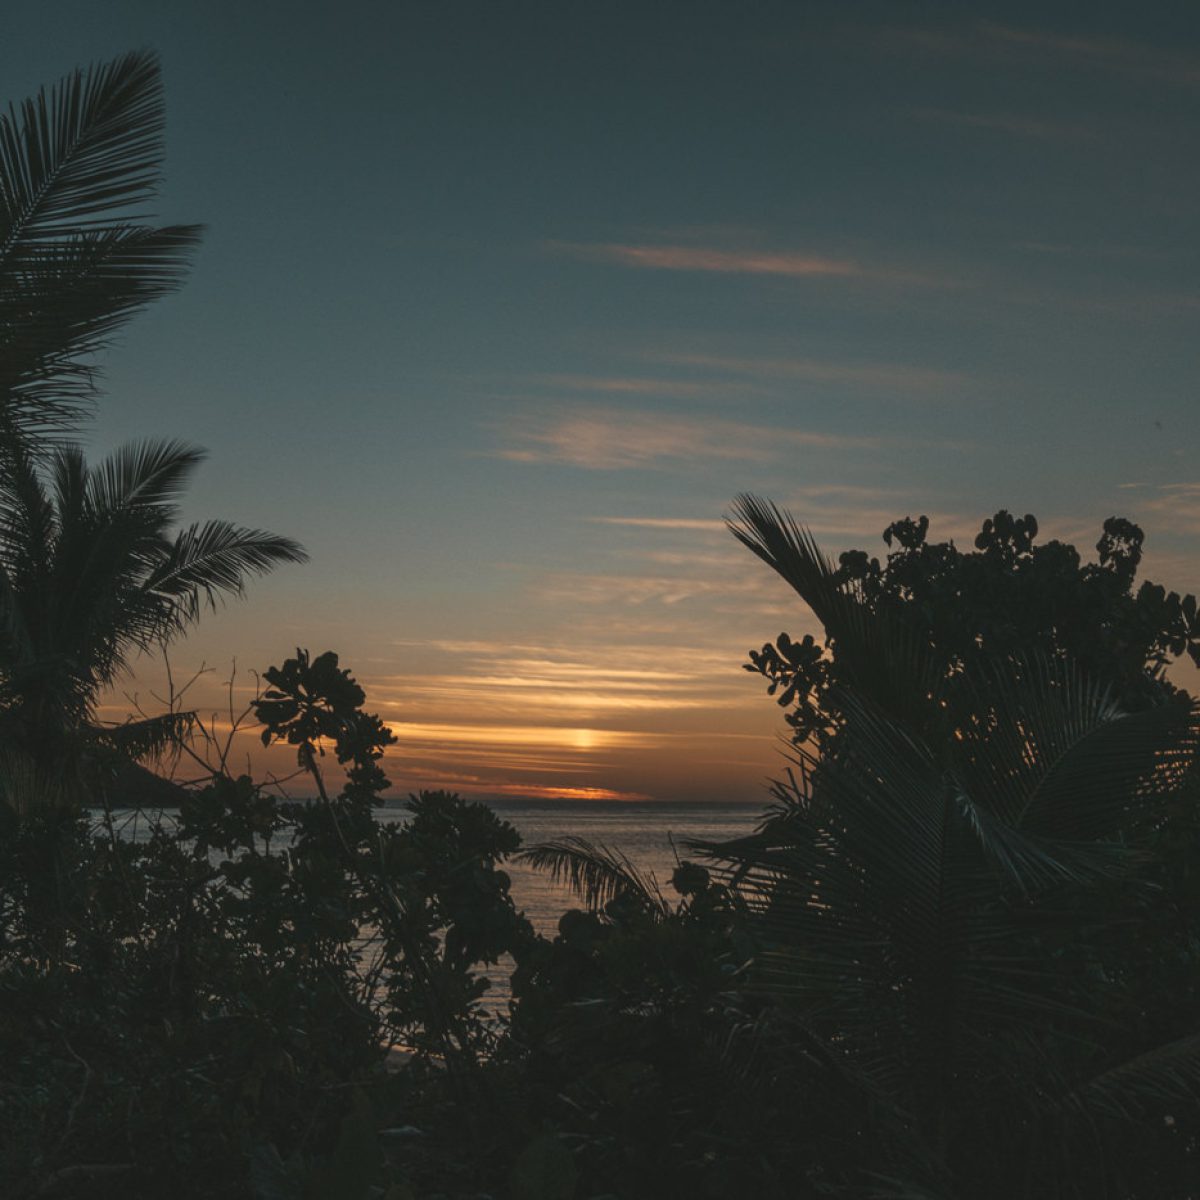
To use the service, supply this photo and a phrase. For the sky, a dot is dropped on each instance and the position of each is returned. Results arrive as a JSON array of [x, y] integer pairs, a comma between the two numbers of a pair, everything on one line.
[[500, 305]]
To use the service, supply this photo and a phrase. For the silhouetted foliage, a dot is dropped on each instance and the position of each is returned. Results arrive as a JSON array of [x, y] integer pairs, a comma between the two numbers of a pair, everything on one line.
[[978, 893], [311, 701], [192, 1008], [92, 571], [938, 612], [959, 958], [77, 161]]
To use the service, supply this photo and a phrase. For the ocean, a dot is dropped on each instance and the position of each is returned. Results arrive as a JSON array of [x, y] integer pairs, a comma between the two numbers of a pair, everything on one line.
[[649, 834]]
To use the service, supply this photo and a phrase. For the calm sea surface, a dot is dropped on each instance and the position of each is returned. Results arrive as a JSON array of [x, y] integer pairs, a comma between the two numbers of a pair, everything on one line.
[[648, 834], [643, 832]]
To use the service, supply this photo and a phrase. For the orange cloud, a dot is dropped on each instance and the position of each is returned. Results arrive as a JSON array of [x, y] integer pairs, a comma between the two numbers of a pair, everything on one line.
[[612, 439], [747, 261], [486, 785], [837, 510], [1172, 507], [501, 688], [581, 717], [725, 262], [551, 736], [690, 523], [607, 590], [634, 386]]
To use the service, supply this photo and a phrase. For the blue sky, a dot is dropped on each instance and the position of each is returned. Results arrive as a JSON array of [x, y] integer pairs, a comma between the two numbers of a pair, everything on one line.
[[500, 305]]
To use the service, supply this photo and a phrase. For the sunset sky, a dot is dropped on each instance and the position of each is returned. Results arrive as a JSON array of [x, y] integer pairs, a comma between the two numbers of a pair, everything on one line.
[[501, 304]]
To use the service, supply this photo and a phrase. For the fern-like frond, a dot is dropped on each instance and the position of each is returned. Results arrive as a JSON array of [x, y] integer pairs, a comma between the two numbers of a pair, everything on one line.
[[788, 549], [149, 737], [1167, 1075], [213, 559], [89, 145], [74, 262], [596, 873], [150, 475], [878, 655]]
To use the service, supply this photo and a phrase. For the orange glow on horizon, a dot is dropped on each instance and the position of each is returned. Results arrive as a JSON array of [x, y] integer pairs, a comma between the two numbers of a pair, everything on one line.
[[551, 736]]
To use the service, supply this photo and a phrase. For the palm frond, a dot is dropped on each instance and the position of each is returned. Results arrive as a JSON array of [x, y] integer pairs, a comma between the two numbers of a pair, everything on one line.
[[790, 550], [877, 655], [28, 523], [74, 262], [145, 475], [1116, 774], [1029, 864], [149, 737], [891, 1187], [67, 470], [30, 787], [596, 873], [890, 905], [90, 574], [62, 303], [213, 559], [1166, 1075], [14, 633], [89, 145], [1027, 714]]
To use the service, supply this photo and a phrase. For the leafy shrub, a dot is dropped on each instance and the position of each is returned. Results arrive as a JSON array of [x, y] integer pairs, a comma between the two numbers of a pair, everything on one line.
[[177, 1004]]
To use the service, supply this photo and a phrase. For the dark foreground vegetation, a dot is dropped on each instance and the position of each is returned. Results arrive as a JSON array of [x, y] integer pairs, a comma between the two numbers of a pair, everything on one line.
[[960, 958]]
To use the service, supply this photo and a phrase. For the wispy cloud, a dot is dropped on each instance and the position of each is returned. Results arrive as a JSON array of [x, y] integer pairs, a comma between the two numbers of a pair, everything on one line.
[[859, 515], [427, 773], [838, 511], [557, 718], [789, 264], [863, 526], [700, 524], [720, 591], [632, 385], [574, 587], [1173, 505], [556, 694], [554, 737], [613, 439], [710, 258]]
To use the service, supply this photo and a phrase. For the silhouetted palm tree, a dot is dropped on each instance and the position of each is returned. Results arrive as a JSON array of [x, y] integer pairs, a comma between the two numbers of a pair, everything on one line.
[[936, 914], [93, 571], [876, 654], [75, 262]]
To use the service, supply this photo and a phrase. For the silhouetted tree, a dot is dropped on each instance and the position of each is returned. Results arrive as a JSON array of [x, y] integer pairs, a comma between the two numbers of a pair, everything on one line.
[[77, 161], [932, 613], [939, 914], [93, 570], [977, 893]]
